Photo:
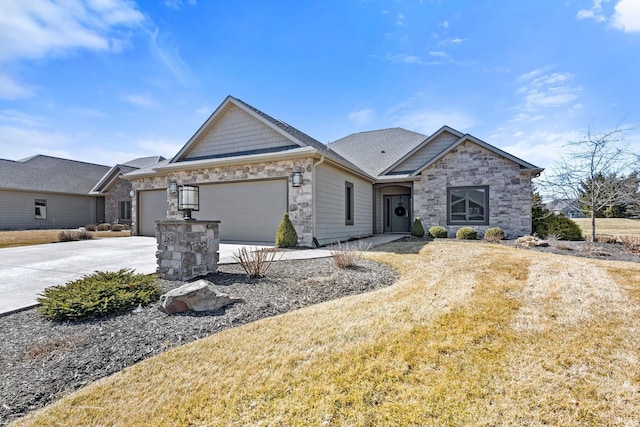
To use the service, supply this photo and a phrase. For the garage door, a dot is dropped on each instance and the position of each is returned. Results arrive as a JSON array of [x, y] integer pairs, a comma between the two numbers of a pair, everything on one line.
[[248, 211], [152, 206]]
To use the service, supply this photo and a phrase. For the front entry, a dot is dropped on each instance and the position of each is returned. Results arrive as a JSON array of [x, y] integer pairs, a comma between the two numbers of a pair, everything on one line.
[[397, 214]]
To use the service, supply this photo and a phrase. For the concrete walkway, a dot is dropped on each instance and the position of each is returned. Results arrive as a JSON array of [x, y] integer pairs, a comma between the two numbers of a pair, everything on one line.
[[27, 270]]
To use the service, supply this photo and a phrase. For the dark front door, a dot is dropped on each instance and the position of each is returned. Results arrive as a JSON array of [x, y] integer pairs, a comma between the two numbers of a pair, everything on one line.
[[397, 214]]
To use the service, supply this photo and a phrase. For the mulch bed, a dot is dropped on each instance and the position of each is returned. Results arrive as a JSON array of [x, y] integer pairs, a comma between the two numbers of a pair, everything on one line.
[[43, 360]]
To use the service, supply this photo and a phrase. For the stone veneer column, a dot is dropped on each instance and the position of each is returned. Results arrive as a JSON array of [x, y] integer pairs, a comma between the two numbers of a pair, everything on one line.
[[186, 249]]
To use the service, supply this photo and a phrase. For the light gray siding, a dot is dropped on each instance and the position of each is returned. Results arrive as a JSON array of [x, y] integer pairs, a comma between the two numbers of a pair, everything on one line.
[[423, 155], [233, 131], [330, 205], [152, 206], [17, 210]]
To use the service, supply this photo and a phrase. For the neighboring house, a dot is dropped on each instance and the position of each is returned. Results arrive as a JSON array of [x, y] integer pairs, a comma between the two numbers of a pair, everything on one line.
[[567, 207], [245, 161], [43, 192]]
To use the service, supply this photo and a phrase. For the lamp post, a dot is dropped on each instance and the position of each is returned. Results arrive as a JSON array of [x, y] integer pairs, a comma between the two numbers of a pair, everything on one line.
[[188, 200]]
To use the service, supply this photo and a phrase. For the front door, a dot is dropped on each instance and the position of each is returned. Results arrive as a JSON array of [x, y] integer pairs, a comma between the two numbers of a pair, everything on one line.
[[397, 214]]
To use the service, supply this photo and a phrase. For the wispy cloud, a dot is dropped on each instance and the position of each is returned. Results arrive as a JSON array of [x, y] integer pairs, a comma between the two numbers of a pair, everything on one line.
[[595, 12], [540, 90], [140, 100], [417, 114], [169, 55], [10, 89], [362, 117], [178, 4]]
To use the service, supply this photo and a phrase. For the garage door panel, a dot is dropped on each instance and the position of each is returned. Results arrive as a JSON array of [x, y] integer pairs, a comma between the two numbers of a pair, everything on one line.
[[247, 211], [152, 206]]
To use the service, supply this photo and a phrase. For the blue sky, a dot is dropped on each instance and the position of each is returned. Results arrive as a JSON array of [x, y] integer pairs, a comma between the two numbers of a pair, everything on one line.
[[106, 81]]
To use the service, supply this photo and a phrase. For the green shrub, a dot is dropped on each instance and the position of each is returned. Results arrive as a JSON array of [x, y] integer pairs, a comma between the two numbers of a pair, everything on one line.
[[286, 235], [98, 294], [73, 235], [417, 230], [493, 234], [105, 226], [557, 225], [117, 227], [466, 233], [438, 232]]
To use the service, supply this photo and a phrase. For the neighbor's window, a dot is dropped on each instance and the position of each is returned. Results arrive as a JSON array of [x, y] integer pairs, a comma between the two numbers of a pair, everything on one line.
[[41, 208], [468, 205], [348, 203], [125, 210]]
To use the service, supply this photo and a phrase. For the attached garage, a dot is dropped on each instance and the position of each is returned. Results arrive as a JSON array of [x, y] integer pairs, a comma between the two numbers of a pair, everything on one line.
[[152, 206], [249, 211]]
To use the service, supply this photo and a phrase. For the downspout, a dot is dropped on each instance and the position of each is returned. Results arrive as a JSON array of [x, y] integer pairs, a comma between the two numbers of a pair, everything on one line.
[[313, 197]]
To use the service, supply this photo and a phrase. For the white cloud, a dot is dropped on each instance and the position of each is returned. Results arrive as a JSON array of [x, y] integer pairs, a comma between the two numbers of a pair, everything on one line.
[[362, 117], [140, 100], [541, 90], [627, 16], [11, 89], [178, 4], [20, 140], [594, 13], [411, 115], [170, 57], [40, 28]]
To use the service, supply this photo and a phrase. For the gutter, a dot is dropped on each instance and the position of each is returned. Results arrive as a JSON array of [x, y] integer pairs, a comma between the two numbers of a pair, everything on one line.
[[313, 196]]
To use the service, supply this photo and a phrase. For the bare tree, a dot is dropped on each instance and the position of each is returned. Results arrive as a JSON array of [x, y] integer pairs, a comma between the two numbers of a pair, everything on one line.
[[588, 172]]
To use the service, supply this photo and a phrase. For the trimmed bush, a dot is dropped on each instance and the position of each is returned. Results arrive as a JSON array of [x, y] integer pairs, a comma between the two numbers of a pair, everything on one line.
[[117, 227], [417, 230], [286, 236], [466, 233], [98, 294], [73, 235], [493, 234], [105, 226], [91, 227], [438, 232], [557, 225]]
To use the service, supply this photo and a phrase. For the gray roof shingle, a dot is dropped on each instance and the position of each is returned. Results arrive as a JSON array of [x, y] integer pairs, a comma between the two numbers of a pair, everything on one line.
[[50, 174]]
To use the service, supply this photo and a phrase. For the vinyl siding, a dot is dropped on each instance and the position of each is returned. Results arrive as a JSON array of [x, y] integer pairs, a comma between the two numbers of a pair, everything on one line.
[[17, 210], [330, 206], [426, 153], [236, 131]]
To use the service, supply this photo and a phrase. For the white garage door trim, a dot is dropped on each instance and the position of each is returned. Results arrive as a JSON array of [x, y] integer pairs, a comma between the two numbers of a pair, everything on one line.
[[152, 206], [248, 211]]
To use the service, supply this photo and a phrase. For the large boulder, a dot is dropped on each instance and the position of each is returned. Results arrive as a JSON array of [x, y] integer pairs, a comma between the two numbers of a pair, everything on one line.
[[195, 296]]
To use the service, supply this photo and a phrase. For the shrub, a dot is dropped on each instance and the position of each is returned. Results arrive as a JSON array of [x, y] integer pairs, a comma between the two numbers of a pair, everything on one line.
[[631, 242], [255, 263], [91, 227], [558, 225], [98, 294], [347, 256], [438, 232], [493, 234], [73, 235], [466, 233], [117, 227], [105, 226], [286, 235], [417, 230]]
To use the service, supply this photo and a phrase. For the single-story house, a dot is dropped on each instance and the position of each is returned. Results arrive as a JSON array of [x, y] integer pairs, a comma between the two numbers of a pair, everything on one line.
[[567, 207], [43, 192], [252, 168]]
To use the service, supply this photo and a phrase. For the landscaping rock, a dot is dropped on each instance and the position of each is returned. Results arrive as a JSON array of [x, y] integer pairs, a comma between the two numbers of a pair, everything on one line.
[[195, 296]]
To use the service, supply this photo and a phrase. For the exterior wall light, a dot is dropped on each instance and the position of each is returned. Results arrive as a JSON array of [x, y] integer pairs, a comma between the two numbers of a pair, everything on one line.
[[296, 179], [188, 200], [173, 187], [132, 193]]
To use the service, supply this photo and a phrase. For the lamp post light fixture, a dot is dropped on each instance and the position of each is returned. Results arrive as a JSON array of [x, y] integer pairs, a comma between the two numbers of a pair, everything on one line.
[[173, 187], [188, 200], [296, 179]]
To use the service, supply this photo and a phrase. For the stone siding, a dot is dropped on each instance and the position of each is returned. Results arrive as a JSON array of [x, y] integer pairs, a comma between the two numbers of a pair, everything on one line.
[[470, 165], [300, 204], [116, 194]]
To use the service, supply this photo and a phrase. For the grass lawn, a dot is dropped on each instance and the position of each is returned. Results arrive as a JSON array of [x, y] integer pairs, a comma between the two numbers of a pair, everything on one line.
[[471, 334], [37, 237], [610, 225]]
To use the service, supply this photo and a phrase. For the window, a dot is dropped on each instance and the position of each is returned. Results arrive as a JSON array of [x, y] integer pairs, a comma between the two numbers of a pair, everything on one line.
[[125, 210], [41, 209], [468, 205], [348, 203]]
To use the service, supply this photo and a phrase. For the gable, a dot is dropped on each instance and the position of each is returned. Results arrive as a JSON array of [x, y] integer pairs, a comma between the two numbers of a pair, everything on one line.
[[425, 153], [232, 132], [473, 159]]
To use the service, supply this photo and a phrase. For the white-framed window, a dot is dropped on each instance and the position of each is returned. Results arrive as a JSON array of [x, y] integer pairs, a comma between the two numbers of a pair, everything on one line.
[[468, 205], [40, 208]]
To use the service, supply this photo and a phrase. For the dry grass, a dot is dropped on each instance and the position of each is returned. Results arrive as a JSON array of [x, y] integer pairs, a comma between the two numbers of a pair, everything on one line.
[[611, 226], [38, 237], [471, 334]]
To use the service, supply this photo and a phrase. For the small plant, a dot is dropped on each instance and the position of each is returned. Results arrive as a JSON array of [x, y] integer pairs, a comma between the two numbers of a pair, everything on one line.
[[417, 230], [493, 234], [91, 227], [466, 233], [438, 232], [105, 226], [286, 235], [117, 227], [73, 235], [346, 255], [98, 294], [631, 242], [255, 263]]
